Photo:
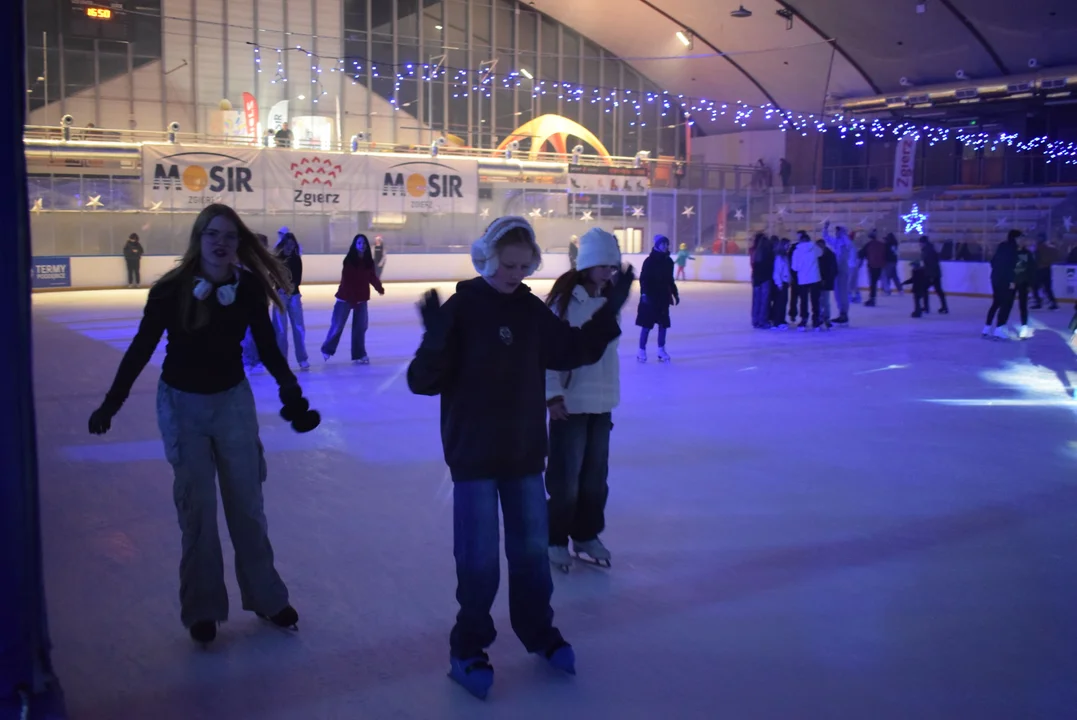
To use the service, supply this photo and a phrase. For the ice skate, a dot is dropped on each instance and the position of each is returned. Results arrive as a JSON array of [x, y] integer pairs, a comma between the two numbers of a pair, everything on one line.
[[1001, 333], [562, 657], [560, 558], [641, 356], [802, 327], [475, 674], [1025, 332], [869, 303], [663, 356], [916, 313], [287, 619], [365, 360], [592, 551], [842, 321], [988, 332], [326, 356], [944, 310], [203, 632], [304, 365]]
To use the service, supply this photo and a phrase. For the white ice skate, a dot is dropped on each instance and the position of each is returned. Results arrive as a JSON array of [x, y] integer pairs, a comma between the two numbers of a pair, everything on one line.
[[1025, 333], [663, 356], [641, 356], [1001, 333], [988, 332], [592, 551], [560, 558]]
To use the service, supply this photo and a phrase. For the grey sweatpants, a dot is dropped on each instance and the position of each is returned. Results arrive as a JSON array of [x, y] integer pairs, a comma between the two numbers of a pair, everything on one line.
[[208, 437]]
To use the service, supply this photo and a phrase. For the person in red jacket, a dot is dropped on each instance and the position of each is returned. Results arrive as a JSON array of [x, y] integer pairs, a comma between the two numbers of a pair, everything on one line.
[[874, 253], [356, 277]]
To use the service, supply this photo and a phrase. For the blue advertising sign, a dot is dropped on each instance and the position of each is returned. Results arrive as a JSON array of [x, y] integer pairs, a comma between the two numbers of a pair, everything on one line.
[[50, 272]]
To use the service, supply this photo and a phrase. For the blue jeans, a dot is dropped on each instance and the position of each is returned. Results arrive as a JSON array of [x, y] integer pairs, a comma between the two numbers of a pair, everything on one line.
[[336, 328], [476, 548], [293, 312], [577, 475], [761, 304]]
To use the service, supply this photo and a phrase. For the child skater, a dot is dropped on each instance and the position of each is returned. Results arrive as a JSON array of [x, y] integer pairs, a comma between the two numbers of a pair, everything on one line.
[[289, 253], [486, 352], [206, 412], [920, 285], [658, 291], [356, 277], [682, 259], [780, 292], [580, 403]]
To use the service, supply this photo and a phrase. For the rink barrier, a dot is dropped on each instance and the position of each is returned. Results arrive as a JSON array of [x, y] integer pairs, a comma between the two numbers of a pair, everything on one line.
[[104, 272]]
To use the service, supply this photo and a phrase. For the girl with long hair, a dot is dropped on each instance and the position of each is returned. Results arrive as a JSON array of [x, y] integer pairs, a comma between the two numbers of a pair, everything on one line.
[[356, 277], [207, 416], [288, 252], [581, 403], [251, 362]]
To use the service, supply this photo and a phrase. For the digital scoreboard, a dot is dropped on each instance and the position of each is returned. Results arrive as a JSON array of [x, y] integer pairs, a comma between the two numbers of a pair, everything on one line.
[[97, 19]]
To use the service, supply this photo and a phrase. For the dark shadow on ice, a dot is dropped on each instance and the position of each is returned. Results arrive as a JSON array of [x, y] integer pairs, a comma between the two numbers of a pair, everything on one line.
[[1051, 350]]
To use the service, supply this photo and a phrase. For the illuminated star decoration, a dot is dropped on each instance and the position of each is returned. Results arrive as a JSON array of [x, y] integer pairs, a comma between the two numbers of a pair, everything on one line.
[[484, 213], [154, 207], [587, 217], [534, 214], [94, 202], [689, 211], [1002, 222], [782, 210], [738, 215], [1066, 221], [637, 211], [914, 221], [39, 205]]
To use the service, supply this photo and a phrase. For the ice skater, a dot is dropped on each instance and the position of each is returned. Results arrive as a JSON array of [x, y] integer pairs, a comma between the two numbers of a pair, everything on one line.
[[806, 265], [779, 291], [846, 256], [132, 256], [288, 251], [658, 290], [890, 270], [206, 413], [1024, 277], [1003, 286], [581, 403], [356, 277], [828, 273], [761, 256], [682, 260], [1047, 254], [929, 258], [918, 279], [486, 352], [874, 253]]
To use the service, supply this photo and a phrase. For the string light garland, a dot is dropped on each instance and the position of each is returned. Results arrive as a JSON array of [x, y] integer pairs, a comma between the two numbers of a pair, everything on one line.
[[465, 83]]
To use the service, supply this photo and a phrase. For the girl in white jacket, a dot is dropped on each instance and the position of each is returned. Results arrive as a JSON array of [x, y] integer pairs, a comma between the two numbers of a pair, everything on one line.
[[580, 405]]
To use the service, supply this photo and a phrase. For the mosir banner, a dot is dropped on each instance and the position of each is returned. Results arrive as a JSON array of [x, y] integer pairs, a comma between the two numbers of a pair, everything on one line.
[[408, 184], [904, 166], [178, 178]]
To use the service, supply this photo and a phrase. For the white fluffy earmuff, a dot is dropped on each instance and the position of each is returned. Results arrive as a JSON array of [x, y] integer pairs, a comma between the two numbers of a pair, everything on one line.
[[226, 294]]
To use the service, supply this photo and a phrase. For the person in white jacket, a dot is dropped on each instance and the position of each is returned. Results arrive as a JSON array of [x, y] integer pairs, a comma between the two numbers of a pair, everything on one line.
[[580, 404], [806, 265], [847, 266]]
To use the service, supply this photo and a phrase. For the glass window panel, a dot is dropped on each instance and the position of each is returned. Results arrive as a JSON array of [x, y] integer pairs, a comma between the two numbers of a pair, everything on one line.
[[528, 30], [503, 15], [480, 19]]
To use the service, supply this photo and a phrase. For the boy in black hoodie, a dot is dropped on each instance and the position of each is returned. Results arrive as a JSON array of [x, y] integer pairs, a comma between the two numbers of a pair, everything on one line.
[[919, 281], [828, 273], [1003, 286], [486, 352]]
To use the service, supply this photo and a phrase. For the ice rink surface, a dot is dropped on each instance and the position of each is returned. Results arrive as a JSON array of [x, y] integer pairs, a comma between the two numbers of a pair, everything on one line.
[[879, 522]]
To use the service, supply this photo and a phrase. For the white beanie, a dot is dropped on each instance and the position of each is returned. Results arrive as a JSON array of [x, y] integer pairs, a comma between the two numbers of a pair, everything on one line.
[[597, 248], [484, 250]]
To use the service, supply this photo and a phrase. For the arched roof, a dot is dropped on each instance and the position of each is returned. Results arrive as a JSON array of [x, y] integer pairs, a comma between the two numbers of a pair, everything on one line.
[[840, 48]]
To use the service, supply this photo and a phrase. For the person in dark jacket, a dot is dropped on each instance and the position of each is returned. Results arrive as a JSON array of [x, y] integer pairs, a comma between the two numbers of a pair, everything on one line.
[[1047, 254], [929, 258], [1003, 286], [132, 255], [828, 274], [890, 270], [379, 256], [207, 416], [874, 253], [761, 255], [658, 290], [1024, 277], [288, 251], [573, 251], [486, 352], [918, 280], [353, 293]]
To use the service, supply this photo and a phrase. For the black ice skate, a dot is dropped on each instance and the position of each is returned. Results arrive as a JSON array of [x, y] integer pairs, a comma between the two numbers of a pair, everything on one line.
[[203, 632], [287, 619]]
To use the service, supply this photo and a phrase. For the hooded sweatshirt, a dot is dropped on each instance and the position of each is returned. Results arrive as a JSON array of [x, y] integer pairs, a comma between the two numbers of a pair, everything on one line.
[[591, 389], [844, 250], [1004, 263], [490, 372], [1025, 269], [806, 262]]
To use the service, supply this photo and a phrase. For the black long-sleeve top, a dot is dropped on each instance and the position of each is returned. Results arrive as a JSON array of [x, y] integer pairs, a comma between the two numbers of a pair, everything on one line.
[[294, 263], [656, 279], [490, 369], [208, 359]]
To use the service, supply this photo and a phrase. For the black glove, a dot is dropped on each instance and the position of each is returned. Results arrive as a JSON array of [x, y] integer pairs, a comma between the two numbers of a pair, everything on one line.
[[676, 299], [430, 310], [101, 420], [622, 286], [296, 410]]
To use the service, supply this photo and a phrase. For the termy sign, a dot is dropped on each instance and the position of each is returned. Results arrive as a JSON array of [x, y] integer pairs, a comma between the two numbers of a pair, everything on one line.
[[424, 186]]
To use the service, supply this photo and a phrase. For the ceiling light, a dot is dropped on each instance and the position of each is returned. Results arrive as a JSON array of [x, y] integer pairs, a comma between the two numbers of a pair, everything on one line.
[[741, 12], [438, 27], [302, 97], [683, 37], [526, 74]]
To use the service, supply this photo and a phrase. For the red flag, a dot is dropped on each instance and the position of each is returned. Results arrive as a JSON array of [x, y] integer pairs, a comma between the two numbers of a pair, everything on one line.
[[250, 114]]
